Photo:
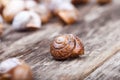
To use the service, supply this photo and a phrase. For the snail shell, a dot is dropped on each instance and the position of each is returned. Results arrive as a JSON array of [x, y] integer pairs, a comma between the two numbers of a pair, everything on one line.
[[64, 10], [43, 11], [67, 12], [29, 4], [15, 69], [13, 8], [26, 20], [66, 46]]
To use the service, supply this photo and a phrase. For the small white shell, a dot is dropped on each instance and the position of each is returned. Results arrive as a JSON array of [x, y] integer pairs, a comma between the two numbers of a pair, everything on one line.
[[9, 64], [25, 20]]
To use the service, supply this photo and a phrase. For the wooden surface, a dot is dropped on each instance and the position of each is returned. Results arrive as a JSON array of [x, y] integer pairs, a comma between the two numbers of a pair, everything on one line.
[[98, 28], [110, 70]]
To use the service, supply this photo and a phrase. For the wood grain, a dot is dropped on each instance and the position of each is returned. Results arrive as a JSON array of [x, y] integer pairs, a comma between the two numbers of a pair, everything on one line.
[[110, 70], [99, 35], [30, 40]]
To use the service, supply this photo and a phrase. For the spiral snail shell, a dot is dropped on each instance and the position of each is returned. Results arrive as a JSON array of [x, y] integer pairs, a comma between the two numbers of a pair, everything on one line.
[[66, 46], [15, 69]]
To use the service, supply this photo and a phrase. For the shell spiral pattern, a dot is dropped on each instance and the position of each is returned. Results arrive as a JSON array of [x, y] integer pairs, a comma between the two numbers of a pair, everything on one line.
[[66, 46]]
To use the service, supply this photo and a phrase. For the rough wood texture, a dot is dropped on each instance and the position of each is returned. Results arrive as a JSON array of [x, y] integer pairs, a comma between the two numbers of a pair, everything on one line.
[[110, 70], [30, 40], [99, 34]]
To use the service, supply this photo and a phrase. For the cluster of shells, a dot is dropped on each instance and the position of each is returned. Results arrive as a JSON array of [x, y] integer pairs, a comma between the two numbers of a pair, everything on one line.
[[31, 14]]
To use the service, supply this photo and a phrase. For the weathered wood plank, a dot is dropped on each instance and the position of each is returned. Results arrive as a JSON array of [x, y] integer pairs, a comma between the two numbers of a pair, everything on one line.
[[10, 35], [34, 38], [110, 70], [100, 37]]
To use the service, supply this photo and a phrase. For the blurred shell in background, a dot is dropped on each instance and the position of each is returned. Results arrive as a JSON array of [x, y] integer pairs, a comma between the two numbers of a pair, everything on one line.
[[43, 11], [67, 12], [40, 11], [64, 10], [26, 20], [29, 4], [12, 9], [15, 69], [5, 2], [54, 4]]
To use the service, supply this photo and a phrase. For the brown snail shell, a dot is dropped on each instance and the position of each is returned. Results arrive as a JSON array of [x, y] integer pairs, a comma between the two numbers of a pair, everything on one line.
[[26, 20], [64, 10], [67, 12], [66, 46], [15, 69], [69, 17]]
